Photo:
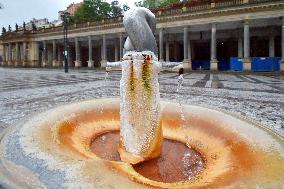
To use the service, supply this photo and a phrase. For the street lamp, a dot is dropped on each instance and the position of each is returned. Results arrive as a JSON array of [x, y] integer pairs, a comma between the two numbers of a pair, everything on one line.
[[65, 18]]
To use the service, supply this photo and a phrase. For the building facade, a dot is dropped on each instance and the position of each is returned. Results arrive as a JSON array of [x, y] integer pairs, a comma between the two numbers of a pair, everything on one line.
[[39, 23], [209, 35]]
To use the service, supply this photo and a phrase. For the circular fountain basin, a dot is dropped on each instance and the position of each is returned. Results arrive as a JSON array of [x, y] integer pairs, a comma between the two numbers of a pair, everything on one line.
[[75, 146]]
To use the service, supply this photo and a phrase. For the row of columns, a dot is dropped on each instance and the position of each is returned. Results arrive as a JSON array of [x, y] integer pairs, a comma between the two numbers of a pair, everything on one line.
[[243, 46], [243, 49], [19, 56], [78, 62]]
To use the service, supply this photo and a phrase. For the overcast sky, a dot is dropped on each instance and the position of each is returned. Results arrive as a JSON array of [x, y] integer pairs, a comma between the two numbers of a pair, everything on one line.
[[17, 11]]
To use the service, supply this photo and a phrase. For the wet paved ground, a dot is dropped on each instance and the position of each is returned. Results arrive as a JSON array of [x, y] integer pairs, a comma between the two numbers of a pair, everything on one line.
[[25, 92]]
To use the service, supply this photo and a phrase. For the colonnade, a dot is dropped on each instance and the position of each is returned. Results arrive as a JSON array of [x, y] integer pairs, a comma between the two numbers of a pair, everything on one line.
[[243, 46], [57, 51], [20, 53], [15, 54]]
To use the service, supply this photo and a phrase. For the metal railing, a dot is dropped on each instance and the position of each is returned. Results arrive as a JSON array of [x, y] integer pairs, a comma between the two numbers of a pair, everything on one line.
[[199, 7], [259, 1], [228, 3]]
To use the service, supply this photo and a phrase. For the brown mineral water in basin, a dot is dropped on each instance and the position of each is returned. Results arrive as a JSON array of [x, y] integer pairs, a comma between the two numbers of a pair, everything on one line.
[[105, 146], [207, 149], [176, 163]]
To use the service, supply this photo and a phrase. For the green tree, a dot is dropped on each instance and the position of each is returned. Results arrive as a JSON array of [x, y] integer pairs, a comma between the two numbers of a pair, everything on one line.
[[92, 10], [115, 9], [168, 2], [139, 4], [155, 3]]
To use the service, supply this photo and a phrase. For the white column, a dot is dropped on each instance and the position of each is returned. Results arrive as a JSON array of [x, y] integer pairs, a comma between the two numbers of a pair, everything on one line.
[[44, 54], [25, 57], [185, 43], [49, 56], [104, 48], [34, 53], [271, 46], [104, 57], [246, 40], [17, 55], [4, 55], [240, 47], [78, 53], [167, 51], [282, 46], [213, 61], [9, 54], [189, 55], [90, 61], [121, 45], [161, 45], [247, 62], [186, 50], [54, 60], [189, 50]]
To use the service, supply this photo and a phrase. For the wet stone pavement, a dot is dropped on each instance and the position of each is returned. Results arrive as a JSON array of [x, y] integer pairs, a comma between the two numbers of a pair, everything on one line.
[[26, 92]]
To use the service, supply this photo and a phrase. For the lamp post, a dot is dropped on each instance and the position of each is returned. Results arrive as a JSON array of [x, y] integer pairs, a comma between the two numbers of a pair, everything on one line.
[[65, 19]]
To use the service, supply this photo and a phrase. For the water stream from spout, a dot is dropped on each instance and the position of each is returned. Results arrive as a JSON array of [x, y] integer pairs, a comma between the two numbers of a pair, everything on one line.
[[107, 71], [106, 77], [179, 97]]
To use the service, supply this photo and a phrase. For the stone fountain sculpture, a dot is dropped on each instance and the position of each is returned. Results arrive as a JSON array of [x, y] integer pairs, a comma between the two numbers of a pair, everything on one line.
[[140, 25], [140, 129]]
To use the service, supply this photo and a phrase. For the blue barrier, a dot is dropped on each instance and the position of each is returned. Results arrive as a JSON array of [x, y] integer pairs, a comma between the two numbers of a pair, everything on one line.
[[259, 64], [236, 64], [200, 65], [265, 64]]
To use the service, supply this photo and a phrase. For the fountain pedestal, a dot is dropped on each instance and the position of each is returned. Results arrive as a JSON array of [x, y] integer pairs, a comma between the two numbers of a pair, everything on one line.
[[140, 129]]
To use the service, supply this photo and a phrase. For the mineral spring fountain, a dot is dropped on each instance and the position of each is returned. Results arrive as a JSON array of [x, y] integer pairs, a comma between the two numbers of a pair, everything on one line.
[[138, 141]]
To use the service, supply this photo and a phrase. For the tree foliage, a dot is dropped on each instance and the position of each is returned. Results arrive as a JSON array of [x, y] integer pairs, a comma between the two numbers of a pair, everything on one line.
[[92, 10], [155, 3], [115, 10]]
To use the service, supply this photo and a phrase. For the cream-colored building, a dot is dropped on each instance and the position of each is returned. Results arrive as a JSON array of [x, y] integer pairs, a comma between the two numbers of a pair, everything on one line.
[[1, 53], [224, 35]]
